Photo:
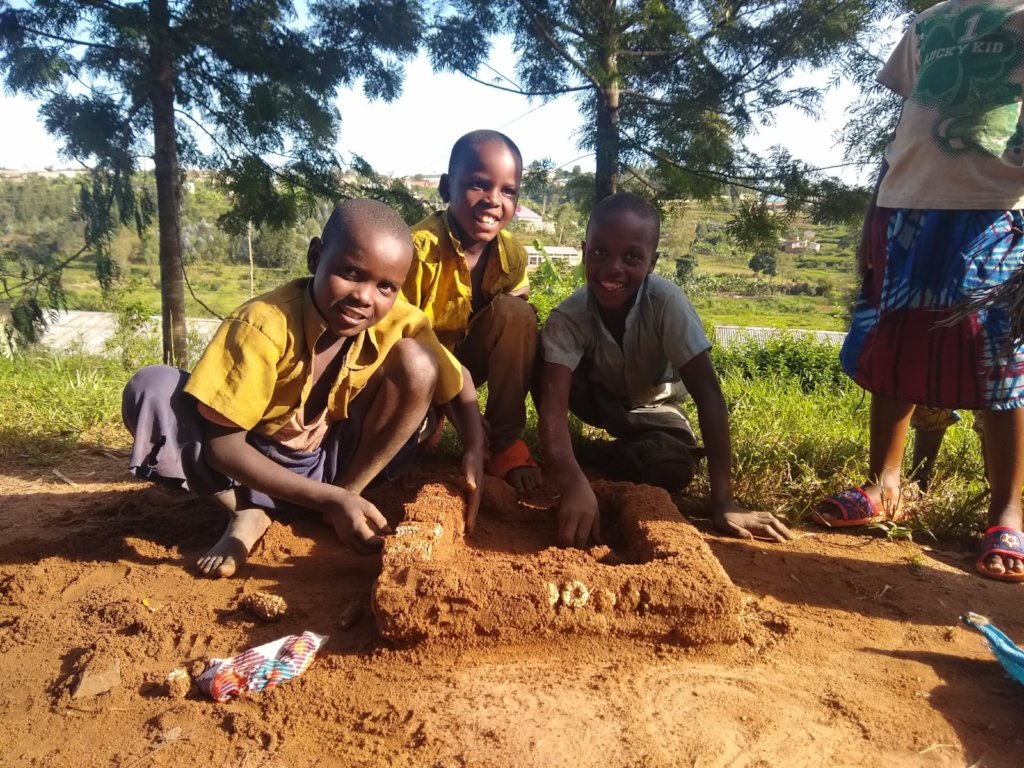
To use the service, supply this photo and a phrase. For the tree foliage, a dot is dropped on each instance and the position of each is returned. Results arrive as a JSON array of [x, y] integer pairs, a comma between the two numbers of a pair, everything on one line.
[[765, 262], [537, 182], [30, 269], [244, 88], [672, 88]]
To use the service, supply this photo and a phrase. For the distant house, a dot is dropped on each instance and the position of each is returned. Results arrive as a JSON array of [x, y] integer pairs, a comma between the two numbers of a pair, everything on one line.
[[565, 254], [801, 246], [11, 174], [532, 221], [423, 182]]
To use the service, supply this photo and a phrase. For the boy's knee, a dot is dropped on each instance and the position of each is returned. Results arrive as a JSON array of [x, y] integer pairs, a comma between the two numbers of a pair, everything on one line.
[[513, 312], [413, 366], [153, 383]]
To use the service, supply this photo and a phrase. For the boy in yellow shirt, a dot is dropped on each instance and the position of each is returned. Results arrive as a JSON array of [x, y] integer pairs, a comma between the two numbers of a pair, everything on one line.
[[469, 277], [306, 394]]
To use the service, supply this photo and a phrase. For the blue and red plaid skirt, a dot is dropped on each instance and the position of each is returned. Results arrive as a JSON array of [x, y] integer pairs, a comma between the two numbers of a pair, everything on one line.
[[906, 341]]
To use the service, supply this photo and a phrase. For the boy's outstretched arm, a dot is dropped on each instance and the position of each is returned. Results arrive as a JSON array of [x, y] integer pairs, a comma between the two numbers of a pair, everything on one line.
[[231, 454], [701, 382], [464, 412], [578, 518]]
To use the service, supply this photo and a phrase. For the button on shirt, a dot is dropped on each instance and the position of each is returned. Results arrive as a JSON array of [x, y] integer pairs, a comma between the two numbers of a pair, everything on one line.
[[663, 333], [439, 282]]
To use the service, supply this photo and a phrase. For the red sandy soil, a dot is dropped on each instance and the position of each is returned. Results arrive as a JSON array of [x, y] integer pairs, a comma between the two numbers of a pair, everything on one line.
[[849, 655]]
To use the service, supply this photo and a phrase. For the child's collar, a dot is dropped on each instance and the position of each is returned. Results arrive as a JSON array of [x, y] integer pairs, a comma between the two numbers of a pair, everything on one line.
[[453, 236], [314, 326]]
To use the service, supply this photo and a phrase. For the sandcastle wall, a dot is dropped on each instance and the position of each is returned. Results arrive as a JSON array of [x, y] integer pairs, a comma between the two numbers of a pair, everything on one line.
[[659, 580]]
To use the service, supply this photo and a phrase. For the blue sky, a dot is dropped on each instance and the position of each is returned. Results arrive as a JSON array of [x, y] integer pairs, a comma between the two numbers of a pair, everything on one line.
[[414, 134]]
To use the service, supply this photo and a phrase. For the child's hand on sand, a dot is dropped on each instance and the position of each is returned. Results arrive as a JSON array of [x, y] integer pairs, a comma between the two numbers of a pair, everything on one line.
[[731, 518], [473, 480], [356, 521], [578, 518]]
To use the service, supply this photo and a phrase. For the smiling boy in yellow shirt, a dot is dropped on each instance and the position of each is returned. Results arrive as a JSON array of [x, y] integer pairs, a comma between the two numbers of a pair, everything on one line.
[[469, 277]]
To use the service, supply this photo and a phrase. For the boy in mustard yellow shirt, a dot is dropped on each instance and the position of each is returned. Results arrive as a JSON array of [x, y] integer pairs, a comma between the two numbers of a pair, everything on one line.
[[306, 394], [469, 277]]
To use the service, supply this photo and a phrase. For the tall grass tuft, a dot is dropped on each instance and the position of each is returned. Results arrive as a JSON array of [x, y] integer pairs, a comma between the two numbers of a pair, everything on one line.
[[52, 403]]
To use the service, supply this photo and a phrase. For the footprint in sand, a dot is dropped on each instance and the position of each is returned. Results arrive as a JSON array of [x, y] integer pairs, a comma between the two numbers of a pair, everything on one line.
[[96, 578]]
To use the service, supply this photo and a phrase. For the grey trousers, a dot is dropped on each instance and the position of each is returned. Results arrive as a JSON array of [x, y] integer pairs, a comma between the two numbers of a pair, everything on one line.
[[650, 439]]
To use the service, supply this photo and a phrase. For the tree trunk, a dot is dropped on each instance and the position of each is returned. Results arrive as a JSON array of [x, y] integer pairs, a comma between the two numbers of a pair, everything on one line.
[[252, 267], [606, 176], [168, 187]]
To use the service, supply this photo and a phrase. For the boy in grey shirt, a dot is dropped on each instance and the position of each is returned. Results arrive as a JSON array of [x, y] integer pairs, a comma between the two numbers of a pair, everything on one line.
[[620, 353]]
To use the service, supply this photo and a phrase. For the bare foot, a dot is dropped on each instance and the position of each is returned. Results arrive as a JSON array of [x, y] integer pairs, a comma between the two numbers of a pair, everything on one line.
[[524, 479], [247, 526]]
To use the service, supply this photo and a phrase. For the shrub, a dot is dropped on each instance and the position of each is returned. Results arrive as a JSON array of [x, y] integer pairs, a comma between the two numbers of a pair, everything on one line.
[[802, 358], [136, 338]]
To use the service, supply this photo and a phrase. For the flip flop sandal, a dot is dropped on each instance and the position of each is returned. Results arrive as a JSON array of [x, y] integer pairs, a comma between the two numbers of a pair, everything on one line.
[[854, 506], [1000, 540], [515, 456]]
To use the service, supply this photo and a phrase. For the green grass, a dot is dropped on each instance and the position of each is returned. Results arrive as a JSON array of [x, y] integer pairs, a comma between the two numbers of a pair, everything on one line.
[[807, 312], [799, 430], [54, 404], [220, 287]]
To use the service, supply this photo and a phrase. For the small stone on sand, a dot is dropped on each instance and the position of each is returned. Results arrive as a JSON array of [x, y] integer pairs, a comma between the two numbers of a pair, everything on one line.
[[98, 677]]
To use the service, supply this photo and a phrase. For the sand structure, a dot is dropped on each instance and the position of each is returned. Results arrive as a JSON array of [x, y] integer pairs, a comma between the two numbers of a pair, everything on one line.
[[655, 577]]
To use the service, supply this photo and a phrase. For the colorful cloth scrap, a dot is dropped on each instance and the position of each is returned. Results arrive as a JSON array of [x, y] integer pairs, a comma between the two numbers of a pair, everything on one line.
[[265, 666]]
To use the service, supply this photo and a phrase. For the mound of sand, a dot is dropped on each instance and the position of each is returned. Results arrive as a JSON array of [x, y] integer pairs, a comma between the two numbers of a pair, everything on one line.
[[848, 653], [659, 580]]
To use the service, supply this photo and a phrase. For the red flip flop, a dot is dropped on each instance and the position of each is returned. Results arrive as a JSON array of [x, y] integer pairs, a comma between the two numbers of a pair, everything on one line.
[[515, 456]]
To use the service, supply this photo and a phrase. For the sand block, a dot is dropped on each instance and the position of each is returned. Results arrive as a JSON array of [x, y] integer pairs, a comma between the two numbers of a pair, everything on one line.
[[506, 583], [433, 523]]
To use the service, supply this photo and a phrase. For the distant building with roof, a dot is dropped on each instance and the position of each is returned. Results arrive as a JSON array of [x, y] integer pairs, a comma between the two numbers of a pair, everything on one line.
[[565, 254], [532, 221], [801, 246]]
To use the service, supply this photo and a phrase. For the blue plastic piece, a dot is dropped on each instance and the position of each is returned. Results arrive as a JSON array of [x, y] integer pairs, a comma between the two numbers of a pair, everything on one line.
[[1007, 654]]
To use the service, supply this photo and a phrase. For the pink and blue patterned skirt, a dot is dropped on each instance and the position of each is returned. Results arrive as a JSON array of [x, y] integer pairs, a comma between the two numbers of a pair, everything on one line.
[[907, 340]]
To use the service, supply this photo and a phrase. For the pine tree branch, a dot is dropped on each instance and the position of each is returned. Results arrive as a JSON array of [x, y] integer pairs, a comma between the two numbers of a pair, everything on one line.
[[37, 279], [535, 17], [192, 293], [520, 91], [73, 41]]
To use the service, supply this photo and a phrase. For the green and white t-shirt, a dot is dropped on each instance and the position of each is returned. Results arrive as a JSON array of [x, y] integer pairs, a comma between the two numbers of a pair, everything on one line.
[[960, 141]]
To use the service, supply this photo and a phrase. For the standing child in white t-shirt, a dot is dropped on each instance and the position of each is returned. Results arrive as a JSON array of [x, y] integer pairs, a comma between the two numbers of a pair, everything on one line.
[[620, 353], [946, 231]]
